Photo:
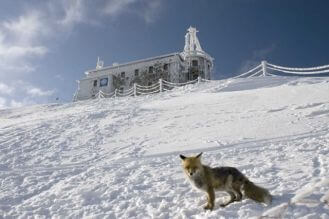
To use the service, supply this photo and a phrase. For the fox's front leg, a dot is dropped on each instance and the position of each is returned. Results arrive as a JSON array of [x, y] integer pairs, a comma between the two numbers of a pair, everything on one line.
[[210, 198]]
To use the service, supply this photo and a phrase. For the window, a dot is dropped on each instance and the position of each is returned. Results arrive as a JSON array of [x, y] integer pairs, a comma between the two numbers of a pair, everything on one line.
[[95, 83], [103, 82], [136, 72], [123, 74], [151, 69], [165, 67], [195, 63]]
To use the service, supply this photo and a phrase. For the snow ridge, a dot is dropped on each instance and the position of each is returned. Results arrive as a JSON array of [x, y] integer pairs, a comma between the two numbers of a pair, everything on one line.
[[118, 158]]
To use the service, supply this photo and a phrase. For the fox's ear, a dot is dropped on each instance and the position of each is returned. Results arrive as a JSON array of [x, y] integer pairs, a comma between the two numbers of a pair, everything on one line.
[[199, 155], [182, 157]]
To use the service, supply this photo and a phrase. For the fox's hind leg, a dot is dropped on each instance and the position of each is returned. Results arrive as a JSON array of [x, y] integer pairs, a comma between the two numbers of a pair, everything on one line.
[[238, 195], [236, 188], [232, 199], [237, 192]]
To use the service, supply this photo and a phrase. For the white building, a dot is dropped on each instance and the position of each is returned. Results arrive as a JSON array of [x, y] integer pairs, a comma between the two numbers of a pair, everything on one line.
[[175, 67]]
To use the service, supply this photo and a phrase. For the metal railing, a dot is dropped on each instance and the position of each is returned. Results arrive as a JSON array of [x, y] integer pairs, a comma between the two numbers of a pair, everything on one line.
[[261, 70]]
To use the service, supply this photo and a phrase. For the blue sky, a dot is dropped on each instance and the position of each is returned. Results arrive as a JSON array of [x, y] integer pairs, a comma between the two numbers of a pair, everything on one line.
[[46, 45]]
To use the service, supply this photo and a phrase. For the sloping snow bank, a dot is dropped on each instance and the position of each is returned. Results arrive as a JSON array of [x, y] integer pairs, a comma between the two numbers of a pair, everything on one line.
[[119, 158]]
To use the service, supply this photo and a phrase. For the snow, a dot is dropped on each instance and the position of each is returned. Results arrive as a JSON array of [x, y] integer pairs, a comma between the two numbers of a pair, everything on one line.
[[118, 158]]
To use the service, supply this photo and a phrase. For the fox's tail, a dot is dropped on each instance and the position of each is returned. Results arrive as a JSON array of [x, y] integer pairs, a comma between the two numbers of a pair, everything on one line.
[[257, 193]]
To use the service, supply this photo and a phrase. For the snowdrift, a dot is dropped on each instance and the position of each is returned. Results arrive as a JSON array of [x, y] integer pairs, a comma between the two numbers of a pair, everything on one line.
[[118, 158]]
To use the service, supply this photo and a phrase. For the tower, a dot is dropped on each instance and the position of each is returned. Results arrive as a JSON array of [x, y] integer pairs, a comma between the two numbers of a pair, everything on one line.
[[99, 64], [192, 44], [197, 62]]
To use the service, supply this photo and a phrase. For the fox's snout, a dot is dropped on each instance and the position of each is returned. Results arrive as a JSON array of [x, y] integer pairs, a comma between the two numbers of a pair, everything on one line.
[[191, 172]]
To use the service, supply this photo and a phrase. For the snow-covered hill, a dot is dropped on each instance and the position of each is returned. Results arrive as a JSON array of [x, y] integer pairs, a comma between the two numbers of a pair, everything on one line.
[[118, 158]]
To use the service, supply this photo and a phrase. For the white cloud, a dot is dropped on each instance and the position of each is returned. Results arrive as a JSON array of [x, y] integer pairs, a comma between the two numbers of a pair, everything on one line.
[[37, 92], [59, 77], [32, 90], [20, 40], [256, 58], [116, 7], [22, 51], [74, 12], [27, 36], [5, 89], [15, 104], [148, 10], [11, 67], [3, 102], [27, 28], [6, 103], [248, 64], [20, 93], [151, 11]]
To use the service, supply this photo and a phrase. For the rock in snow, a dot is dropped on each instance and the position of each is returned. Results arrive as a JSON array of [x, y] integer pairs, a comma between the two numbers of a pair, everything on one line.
[[118, 158]]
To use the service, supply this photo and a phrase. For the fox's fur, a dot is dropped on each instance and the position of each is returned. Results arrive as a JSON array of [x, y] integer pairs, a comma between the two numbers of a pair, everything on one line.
[[228, 179]]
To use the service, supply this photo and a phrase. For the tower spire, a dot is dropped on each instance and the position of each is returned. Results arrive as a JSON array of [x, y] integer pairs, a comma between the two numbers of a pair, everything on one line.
[[192, 44], [99, 63]]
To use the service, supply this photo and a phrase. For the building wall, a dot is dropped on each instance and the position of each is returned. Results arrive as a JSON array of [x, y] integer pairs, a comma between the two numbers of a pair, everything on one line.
[[179, 71], [86, 89]]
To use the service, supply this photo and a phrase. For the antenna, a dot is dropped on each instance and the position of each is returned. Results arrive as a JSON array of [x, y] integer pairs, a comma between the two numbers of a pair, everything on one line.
[[99, 64]]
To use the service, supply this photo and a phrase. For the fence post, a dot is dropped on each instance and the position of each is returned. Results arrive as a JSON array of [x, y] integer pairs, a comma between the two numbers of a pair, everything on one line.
[[264, 67], [160, 83], [199, 79], [135, 90], [115, 92]]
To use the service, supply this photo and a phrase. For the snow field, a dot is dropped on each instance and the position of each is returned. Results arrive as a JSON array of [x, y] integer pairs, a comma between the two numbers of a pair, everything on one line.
[[119, 158]]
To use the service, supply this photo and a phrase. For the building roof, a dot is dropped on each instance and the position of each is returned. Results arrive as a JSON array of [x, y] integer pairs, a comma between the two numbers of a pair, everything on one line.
[[134, 62]]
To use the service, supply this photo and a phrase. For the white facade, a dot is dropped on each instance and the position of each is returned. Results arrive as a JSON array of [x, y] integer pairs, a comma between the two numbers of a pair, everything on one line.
[[174, 67]]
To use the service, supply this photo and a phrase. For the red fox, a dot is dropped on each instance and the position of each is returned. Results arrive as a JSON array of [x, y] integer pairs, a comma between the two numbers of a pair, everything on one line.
[[228, 179]]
